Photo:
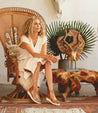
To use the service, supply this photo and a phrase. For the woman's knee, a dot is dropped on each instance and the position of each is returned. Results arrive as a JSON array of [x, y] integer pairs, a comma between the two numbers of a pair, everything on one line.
[[48, 63], [38, 64]]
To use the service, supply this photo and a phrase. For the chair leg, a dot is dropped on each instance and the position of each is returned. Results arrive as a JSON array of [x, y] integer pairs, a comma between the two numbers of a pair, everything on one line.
[[18, 95], [17, 74]]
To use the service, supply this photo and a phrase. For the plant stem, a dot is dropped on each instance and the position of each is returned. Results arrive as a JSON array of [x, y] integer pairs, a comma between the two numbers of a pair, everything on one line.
[[61, 56], [65, 56]]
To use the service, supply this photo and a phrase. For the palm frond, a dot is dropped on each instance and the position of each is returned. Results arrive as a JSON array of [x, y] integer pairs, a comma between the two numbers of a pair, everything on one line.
[[54, 30], [57, 28]]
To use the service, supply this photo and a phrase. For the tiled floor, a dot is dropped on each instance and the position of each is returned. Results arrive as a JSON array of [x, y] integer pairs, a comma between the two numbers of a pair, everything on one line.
[[87, 100], [87, 89]]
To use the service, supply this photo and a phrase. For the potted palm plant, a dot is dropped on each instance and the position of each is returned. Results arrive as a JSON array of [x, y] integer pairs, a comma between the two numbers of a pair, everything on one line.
[[54, 30], [57, 28]]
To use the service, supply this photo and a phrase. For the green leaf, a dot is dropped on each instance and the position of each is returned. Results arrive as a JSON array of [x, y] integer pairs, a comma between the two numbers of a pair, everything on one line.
[[57, 28]]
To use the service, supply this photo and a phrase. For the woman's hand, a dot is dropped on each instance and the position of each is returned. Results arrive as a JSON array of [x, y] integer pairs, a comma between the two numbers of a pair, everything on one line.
[[54, 59]]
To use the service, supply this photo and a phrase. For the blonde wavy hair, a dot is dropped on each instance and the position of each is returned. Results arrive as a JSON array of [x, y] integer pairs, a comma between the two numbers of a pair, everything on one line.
[[27, 28]]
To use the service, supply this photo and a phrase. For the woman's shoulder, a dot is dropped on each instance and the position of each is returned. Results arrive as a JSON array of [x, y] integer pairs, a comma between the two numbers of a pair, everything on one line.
[[43, 38], [25, 39]]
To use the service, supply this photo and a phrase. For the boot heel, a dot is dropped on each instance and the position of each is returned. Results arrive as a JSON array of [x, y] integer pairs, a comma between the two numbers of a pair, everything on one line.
[[34, 95], [52, 99]]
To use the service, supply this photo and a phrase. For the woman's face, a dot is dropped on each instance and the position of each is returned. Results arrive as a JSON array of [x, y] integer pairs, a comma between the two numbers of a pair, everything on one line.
[[36, 25]]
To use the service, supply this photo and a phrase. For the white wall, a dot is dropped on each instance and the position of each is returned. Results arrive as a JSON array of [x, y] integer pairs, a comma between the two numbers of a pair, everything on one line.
[[83, 10]]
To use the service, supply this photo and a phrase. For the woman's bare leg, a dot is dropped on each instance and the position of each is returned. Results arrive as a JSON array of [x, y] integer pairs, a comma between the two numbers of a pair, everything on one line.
[[34, 91], [48, 73], [36, 75], [50, 96]]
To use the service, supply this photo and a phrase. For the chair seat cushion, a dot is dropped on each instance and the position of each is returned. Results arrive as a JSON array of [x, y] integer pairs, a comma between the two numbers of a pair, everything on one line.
[[13, 50]]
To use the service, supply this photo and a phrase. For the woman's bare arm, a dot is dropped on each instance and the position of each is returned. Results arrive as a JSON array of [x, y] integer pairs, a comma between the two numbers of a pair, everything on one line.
[[44, 48], [43, 53]]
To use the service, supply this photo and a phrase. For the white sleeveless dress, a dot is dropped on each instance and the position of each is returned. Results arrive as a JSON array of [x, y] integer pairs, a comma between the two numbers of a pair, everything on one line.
[[26, 60]]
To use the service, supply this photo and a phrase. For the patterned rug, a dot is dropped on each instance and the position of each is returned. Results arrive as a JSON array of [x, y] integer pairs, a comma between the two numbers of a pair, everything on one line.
[[72, 105], [46, 110]]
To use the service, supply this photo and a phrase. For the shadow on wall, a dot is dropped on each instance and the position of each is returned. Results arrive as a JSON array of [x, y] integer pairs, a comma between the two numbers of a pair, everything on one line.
[[51, 12], [3, 70]]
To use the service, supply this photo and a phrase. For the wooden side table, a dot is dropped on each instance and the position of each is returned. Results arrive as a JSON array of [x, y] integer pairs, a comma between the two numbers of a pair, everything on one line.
[[70, 80]]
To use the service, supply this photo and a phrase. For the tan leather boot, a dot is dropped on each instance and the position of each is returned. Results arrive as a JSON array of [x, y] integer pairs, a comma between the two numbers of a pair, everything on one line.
[[51, 98], [34, 95]]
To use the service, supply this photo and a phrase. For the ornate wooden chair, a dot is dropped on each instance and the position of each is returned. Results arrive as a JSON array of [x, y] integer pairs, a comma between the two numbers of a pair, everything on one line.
[[11, 21]]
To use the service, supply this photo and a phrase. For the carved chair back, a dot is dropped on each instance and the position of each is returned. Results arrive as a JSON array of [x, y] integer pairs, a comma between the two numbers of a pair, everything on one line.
[[11, 21]]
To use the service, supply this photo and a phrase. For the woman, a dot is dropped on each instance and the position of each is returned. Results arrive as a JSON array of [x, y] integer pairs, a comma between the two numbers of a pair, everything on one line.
[[34, 45]]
